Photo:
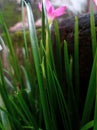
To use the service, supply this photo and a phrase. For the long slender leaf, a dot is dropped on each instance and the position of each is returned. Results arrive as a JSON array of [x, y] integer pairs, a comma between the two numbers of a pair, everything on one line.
[[90, 94], [24, 34], [13, 57], [76, 59], [4, 116], [58, 56], [93, 29], [71, 95], [88, 125], [34, 45], [95, 113]]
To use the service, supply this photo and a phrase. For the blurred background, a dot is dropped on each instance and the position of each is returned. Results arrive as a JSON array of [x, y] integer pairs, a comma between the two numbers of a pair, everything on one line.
[[11, 11]]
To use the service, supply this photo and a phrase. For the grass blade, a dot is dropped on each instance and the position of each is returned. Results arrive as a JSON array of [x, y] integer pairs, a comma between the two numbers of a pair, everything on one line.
[[88, 125], [90, 94], [76, 59], [93, 30], [4, 116], [13, 58], [57, 53], [34, 45], [95, 112], [71, 96]]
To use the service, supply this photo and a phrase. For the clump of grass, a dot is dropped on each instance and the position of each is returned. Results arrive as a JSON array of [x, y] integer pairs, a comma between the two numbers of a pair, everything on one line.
[[38, 101]]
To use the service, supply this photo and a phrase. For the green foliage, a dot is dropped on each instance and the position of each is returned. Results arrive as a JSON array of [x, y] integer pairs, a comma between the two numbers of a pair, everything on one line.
[[38, 100]]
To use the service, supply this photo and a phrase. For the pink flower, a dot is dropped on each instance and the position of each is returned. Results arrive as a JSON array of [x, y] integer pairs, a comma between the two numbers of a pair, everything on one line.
[[95, 1], [52, 13]]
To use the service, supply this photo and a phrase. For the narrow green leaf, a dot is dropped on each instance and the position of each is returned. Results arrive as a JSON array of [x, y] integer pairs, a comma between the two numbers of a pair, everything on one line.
[[4, 116], [34, 45], [1, 126], [93, 29], [13, 58], [24, 32], [17, 108], [71, 96], [28, 86], [90, 94], [76, 59], [57, 49], [64, 110], [95, 113], [88, 125]]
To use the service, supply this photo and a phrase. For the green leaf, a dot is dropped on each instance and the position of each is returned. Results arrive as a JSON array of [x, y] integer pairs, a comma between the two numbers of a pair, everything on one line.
[[95, 112], [76, 59], [90, 93], [4, 116], [93, 29], [34, 46], [88, 125]]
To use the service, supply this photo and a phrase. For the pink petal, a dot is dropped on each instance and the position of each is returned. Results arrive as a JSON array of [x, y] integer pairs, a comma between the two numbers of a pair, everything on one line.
[[95, 1], [49, 6], [51, 12], [40, 6], [59, 11]]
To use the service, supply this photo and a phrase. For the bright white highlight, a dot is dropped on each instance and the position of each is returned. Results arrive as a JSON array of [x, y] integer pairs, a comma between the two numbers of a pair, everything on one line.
[[75, 6]]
